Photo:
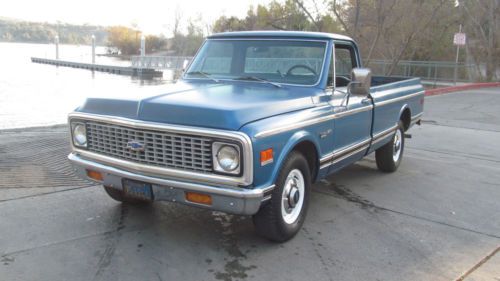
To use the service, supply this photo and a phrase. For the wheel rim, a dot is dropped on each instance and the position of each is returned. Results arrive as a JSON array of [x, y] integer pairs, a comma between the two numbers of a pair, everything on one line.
[[397, 145], [292, 196]]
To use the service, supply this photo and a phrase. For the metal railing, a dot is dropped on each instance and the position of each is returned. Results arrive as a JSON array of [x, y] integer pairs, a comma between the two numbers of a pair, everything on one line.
[[426, 70], [160, 62]]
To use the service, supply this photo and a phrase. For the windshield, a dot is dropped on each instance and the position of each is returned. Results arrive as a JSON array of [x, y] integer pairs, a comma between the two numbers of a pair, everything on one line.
[[279, 61]]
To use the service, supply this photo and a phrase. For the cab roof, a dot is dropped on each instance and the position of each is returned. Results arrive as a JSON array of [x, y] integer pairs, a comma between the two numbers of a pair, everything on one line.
[[280, 34]]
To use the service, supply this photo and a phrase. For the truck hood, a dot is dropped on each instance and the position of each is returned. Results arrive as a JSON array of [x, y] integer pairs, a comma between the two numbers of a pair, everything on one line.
[[225, 105]]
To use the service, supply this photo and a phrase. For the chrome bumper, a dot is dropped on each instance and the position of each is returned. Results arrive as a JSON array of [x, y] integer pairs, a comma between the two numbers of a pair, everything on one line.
[[226, 199]]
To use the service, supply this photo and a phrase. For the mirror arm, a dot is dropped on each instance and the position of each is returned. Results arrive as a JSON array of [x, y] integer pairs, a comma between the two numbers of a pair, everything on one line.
[[348, 94]]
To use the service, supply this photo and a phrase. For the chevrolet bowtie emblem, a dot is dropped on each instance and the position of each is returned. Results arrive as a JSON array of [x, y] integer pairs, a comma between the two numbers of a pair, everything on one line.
[[135, 145]]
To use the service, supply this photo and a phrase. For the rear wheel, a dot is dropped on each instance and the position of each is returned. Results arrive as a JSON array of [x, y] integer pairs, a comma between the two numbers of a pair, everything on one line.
[[281, 218], [389, 156], [119, 196]]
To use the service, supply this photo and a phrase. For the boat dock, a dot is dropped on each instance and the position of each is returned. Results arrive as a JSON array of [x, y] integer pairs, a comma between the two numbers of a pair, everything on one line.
[[122, 70]]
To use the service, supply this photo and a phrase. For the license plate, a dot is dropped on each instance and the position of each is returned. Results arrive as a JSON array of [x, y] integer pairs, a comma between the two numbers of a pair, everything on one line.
[[138, 189]]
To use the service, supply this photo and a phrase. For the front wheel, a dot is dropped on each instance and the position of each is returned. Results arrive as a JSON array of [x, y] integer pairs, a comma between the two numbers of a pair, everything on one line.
[[281, 218], [389, 156]]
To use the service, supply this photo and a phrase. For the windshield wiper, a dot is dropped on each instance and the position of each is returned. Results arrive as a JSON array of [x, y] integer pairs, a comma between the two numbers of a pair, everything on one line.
[[255, 78], [207, 75]]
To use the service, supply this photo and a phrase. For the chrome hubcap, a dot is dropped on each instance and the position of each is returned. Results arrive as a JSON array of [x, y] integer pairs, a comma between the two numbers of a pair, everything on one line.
[[397, 145], [292, 197]]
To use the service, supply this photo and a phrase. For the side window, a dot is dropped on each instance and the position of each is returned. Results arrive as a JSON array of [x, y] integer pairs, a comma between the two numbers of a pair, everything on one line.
[[344, 61]]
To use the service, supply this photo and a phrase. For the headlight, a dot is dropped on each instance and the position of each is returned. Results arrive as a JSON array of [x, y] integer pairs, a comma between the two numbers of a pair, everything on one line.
[[226, 158], [79, 135]]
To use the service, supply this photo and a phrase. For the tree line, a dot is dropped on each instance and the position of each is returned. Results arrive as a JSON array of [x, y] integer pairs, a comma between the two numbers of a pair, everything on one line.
[[393, 30], [37, 32], [390, 30]]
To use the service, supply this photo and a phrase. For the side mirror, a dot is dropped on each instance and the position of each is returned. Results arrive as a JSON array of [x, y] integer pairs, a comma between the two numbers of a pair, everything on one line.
[[361, 79]]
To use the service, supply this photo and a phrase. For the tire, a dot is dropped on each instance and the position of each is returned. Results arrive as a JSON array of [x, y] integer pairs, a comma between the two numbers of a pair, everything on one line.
[[389, 156], [281, 218], [118, 195]]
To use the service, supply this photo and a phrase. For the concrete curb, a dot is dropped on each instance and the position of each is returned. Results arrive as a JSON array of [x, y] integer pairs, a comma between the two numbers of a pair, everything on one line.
[[445, 90]]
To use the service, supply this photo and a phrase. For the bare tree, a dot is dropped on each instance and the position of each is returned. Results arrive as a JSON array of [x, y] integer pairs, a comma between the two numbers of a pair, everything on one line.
[[482, 23], [390, 29], [309, 15]]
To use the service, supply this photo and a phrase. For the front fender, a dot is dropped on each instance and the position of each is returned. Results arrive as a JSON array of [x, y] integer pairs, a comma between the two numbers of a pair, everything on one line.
[[298, 128], [282, 145], [293, 141]]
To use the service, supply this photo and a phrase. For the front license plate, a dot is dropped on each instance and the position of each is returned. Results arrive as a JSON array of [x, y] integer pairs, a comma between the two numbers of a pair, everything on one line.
[[138, 189]]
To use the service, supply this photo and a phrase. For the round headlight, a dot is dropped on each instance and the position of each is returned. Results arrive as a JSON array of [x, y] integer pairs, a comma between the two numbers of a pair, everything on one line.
[[79, 135], [228, 158]]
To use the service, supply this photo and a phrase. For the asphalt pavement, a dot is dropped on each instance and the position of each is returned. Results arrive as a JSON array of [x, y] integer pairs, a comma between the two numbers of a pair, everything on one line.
[[436, 218]]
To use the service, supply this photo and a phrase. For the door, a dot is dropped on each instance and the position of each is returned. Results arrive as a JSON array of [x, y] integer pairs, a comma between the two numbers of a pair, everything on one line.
[[353, 115]]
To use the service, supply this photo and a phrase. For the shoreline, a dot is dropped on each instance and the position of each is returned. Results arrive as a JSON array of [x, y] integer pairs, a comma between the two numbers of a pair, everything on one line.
[[34, 128]]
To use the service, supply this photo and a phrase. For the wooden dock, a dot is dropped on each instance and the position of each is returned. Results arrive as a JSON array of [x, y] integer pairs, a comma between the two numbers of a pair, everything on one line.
[[121, 70]]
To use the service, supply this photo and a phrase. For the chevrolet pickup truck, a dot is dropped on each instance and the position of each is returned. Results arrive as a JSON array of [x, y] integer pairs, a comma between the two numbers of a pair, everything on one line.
[[254, 121]]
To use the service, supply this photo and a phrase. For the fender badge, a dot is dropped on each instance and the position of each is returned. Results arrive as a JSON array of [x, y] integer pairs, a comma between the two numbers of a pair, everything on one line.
[[325, 133]]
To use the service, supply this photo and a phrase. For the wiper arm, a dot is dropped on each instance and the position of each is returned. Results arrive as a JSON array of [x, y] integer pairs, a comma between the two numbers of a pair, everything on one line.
[[255, 78], [207, 75]]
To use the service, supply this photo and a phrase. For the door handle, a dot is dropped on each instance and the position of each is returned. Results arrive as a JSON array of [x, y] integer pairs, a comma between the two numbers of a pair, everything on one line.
[[366, 100]]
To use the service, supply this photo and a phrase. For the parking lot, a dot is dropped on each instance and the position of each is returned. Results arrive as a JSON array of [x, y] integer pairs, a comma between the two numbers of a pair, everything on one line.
[[436, 218]]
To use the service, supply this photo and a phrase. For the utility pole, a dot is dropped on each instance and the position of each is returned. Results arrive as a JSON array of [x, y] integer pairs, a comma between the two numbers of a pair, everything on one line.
[[93, 49], [456, 58], [143, 46], [56, 41]]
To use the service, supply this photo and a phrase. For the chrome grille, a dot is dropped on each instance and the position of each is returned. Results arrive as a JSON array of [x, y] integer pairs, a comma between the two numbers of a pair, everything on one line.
[[162, 149]]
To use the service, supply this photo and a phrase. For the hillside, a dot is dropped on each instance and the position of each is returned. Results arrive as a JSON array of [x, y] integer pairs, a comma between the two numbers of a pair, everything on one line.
[[12, 30]]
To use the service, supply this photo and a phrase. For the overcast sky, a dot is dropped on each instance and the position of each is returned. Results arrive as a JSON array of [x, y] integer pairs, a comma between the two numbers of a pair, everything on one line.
[[151, 16]]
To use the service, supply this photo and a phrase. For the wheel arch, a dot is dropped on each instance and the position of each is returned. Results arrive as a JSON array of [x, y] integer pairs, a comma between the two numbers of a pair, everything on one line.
[[405, 117], [305, 143]]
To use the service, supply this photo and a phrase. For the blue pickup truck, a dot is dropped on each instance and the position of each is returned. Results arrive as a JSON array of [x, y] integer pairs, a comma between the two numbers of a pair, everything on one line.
[[255, 120]]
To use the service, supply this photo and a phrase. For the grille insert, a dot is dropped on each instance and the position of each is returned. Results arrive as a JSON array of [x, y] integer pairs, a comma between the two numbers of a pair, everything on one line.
[[163, 149]]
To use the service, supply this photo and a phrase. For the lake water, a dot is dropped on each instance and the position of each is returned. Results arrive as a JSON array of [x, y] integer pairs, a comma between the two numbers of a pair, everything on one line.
[[38, 95]]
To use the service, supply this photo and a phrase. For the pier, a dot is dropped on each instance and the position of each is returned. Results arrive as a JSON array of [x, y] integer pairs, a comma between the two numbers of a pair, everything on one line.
[[122, 70]]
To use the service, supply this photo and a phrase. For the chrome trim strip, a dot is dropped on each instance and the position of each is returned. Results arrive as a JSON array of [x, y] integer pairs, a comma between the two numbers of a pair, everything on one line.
[[268, 197], [231, 192], [341, 152], [285, 128], [416, 117], [382, 135], [263, 39], [388, 92], [385, 132], [350, 154], [382, 103], [314, 121], [245, 179], [343, 156]]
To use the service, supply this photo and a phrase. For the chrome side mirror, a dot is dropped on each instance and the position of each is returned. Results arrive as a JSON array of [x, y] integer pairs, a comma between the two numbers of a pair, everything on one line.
[[361, 79]]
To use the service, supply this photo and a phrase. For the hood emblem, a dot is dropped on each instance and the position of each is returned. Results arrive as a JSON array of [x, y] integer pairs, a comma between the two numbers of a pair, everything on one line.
[[135, 145]]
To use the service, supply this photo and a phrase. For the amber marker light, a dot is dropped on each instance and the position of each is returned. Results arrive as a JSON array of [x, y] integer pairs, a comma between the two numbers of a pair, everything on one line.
[[199, 198], [266, 156], [94, 175]]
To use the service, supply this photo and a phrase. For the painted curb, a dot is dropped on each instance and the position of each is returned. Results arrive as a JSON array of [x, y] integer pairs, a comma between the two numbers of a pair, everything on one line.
[[445, 90]]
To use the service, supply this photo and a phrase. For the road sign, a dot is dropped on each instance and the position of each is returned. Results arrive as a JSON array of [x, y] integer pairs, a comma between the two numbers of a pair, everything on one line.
[[459, 39]]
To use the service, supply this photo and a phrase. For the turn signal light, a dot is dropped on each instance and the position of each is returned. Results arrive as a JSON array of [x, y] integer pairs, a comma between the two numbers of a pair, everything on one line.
[[266, 156], [199, 198], [94, 175]]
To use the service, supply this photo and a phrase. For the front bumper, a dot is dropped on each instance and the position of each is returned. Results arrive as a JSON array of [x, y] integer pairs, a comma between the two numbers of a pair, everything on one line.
[[226, 199]]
